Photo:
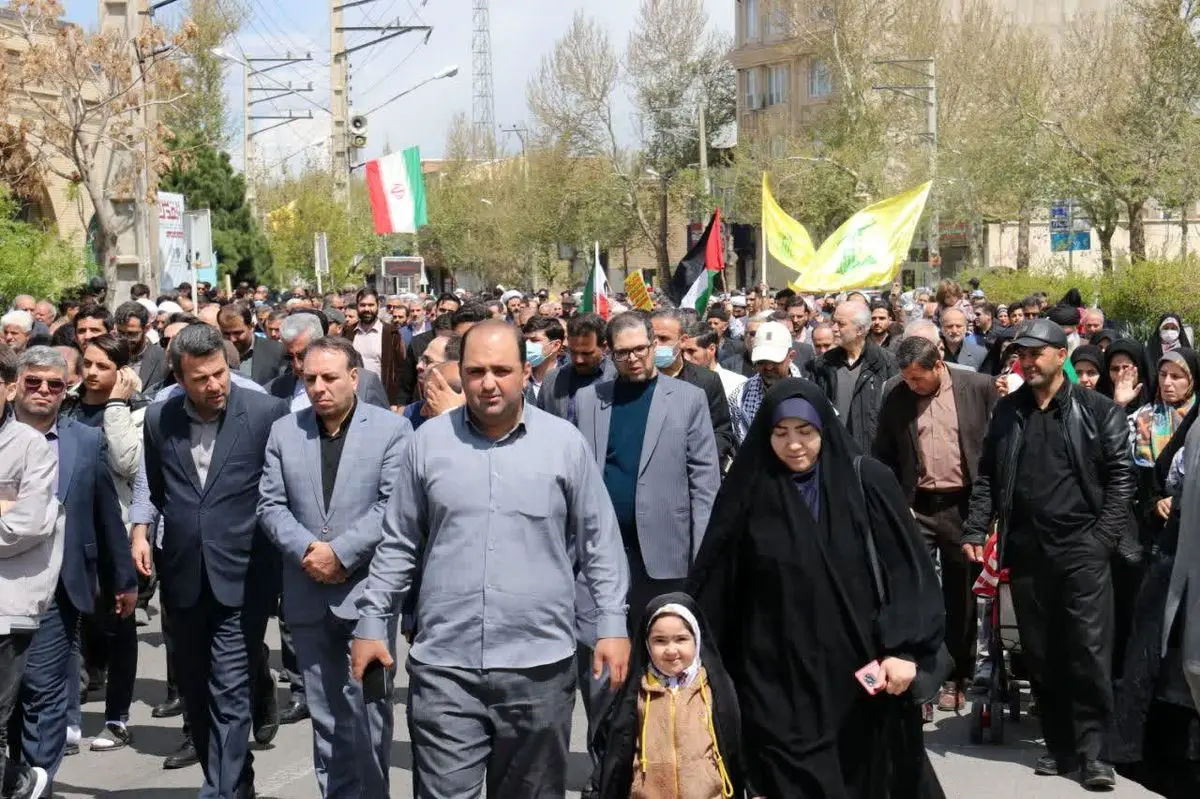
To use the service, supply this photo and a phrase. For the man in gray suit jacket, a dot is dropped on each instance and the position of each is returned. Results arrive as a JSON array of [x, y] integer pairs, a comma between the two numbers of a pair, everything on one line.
[[959, 349], [329, 474], [653, 439]]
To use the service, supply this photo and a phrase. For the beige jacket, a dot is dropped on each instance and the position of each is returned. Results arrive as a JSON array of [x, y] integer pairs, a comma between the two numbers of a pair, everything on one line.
[[677, 753]]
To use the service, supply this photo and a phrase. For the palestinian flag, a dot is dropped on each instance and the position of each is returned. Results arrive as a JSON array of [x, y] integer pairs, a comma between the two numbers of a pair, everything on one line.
[[595, 293], [691, 286]]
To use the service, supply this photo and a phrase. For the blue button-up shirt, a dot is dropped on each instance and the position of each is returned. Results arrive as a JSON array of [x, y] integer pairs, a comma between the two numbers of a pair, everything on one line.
[[498, 531]]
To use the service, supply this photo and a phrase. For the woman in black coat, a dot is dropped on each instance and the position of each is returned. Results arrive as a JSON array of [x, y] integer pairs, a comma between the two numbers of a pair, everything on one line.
[[784, 578]]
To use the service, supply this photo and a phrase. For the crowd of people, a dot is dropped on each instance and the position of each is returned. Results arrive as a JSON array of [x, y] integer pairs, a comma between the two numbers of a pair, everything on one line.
[[758, 542]]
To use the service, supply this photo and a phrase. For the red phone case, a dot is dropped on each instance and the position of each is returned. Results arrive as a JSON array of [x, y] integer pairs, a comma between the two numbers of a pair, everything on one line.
[[870, 677]]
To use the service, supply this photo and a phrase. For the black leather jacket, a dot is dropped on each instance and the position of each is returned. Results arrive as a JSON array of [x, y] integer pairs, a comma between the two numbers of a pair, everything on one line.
[[1099, 449]]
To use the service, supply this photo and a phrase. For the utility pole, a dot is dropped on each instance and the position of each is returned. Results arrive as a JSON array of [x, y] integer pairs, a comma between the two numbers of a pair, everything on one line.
[[521, 132], [704, 155], [930, 99], [339, 76], [247, 133], [250, 71]]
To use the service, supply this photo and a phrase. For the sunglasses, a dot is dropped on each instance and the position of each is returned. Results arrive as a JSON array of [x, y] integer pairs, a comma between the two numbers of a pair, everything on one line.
[[55, 385]]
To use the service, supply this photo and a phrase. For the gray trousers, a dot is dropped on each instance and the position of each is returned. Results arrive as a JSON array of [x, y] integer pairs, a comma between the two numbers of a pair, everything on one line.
[[352, 740], [512, 725]]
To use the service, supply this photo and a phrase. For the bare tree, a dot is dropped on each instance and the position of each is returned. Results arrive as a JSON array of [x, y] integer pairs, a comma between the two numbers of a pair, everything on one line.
[[81, 98]]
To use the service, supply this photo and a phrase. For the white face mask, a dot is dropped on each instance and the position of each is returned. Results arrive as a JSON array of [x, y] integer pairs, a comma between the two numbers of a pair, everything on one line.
[[1168, 335]]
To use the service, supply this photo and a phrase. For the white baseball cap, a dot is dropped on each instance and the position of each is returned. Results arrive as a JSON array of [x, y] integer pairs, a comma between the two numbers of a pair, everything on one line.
[[772, 343]]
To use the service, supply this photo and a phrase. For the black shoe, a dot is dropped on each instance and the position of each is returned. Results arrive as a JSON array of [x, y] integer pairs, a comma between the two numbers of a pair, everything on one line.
[[184, 757], [172, 707], [1098, 776], [294, 711], [246, 791], [32, 783], [1048, 765], [265, 716]]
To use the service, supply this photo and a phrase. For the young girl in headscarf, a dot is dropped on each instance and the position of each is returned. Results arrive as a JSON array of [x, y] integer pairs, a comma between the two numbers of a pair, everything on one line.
[[672, 729]]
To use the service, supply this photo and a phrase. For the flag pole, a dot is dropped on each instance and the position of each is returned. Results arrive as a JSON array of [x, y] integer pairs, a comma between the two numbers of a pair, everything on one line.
[[762, 235]]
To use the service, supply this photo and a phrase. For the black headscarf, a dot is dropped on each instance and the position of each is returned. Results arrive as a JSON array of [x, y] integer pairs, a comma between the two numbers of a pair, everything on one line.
[[1136, 353], [1154, 349], [1106, 333], [993, 363], [793, 609], [617, 732], [1162, 464], [1088, 353]]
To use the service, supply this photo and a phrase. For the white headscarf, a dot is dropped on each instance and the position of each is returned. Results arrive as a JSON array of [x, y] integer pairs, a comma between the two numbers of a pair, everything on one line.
[[690, 673]]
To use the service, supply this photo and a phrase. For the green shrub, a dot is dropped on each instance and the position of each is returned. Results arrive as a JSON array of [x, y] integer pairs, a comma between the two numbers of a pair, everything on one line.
[[32, 260], [1135, 295]]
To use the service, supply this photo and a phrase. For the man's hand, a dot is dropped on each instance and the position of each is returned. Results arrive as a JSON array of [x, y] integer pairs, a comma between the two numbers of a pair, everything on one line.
[[614, 653], [6, 505], [898, 674], [1002, 385], [127, 383], [973, 553], [126, 602], [364, 652], [140, 547], [322, 564], [439, 397]]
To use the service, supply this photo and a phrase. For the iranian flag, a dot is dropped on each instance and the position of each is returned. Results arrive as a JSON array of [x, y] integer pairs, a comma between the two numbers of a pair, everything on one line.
[[595, 293], [692, 284], [397, 190]]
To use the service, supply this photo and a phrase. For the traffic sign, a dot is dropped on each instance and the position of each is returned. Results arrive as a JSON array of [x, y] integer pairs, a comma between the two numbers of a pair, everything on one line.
[[1070, 229]]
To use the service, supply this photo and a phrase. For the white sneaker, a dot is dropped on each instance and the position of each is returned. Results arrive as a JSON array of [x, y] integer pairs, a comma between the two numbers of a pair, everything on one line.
[[74, 735], [33, 784]]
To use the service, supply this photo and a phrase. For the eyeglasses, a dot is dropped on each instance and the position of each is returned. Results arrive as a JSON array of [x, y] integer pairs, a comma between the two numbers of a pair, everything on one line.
[[54, 385], [631, 354]]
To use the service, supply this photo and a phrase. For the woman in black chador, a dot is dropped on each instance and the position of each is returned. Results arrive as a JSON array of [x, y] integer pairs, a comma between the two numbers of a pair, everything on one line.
[[783, 577]]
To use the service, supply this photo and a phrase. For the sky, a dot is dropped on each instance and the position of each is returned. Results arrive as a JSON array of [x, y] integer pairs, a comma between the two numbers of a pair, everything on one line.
[[523, 31]]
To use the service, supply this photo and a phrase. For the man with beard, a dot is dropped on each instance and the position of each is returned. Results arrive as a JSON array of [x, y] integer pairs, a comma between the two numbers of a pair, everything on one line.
[[260, 359], [958, 347], [884, 332], [149, 361], [772, 357], [1058, 474], [381, 346]]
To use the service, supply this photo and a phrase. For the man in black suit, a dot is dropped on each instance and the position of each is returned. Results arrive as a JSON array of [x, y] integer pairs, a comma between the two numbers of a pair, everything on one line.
[[447, 304], [931, 430], [220, 575], [668, 327], [261, 359]]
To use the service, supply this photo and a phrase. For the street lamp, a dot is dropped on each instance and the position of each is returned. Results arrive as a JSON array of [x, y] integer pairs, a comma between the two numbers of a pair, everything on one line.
[[225, 55], [445, 72]]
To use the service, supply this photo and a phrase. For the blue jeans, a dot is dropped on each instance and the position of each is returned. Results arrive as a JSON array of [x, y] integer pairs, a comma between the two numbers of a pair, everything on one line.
[[37, 732]]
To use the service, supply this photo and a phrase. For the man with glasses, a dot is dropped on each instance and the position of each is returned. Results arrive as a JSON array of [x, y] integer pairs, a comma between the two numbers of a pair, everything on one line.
[[132, 320], [31, 544], [94, 534], [440, 380]]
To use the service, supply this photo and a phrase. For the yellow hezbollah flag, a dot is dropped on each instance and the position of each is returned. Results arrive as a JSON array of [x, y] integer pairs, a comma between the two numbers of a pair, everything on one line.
[[635, 290], [283, 216], [868, 248], [786, 238]]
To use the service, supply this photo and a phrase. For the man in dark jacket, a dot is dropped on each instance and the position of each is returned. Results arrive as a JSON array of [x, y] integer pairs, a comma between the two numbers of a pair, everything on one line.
[[852, 374], [380, 345], [1057, 473], [668, 357], [447, 304], [931, 431]]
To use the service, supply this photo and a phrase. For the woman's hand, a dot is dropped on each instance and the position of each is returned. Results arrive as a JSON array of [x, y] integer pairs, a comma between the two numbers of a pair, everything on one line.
[[1127, 388], [898, 674], [127, 384], [1163, 508]]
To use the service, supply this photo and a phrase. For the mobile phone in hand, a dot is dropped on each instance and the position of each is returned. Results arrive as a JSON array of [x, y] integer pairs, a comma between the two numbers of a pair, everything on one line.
[[376, 682], [870, 677]]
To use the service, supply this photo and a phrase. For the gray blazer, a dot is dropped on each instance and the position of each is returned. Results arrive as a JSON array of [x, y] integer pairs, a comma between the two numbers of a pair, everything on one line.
[[556, 389], [291, 505], [679, 472], [971, 355]]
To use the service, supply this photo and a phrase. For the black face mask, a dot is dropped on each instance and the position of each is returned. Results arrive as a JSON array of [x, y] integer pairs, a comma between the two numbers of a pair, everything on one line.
[[163, 341]]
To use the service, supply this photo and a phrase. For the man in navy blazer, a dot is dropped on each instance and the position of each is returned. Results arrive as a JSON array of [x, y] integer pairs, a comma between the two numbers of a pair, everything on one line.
[[330, 472], [95, 552], [218, 572]]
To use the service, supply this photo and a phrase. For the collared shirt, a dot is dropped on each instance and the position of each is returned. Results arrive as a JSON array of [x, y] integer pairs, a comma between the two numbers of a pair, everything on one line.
[[331, 453], [937, 440], [246, 364], [1049, 507], [368, 341], [203, 435], [498, 530], [52, 437], [300, 399]]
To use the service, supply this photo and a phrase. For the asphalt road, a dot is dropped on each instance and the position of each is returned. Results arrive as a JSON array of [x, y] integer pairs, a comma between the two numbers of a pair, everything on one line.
[[284, 769]]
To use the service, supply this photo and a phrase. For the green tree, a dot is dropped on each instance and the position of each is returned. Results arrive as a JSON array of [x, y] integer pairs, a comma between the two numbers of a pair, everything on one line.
[[206, 179], [201, 114], [32, 260]]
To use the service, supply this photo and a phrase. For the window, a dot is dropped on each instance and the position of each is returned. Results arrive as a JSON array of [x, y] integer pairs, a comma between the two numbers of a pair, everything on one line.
[[777, 20], [820, 85], [753, 99], [777, 80], [750, 12]]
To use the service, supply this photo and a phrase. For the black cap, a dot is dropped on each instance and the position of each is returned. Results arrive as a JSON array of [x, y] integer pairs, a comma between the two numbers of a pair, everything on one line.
[[1040, 333], [1063, 315], [98, 283]]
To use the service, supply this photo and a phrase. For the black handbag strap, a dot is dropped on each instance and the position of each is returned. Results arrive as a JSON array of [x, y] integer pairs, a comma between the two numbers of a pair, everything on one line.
[[872, 552]]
